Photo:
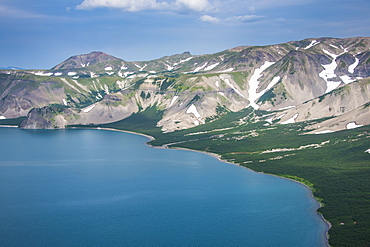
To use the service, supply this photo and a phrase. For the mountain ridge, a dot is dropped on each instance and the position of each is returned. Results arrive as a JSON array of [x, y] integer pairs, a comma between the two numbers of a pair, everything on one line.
[[192, 89]]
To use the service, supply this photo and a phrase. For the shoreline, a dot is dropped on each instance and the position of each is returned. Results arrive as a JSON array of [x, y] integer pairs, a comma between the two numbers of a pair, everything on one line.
[[218, 157]]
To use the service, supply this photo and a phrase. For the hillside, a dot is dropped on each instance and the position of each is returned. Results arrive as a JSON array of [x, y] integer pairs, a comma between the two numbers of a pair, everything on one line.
[[192, 90]]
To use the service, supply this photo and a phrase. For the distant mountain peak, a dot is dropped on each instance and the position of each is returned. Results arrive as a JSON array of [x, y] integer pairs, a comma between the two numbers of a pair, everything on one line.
[[84, 60]]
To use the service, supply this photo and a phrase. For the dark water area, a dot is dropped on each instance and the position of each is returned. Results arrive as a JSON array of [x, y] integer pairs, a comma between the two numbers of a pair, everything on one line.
[[107, 188]]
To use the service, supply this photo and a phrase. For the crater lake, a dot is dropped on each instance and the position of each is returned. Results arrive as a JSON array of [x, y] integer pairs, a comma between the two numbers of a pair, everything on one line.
[[81, 187]]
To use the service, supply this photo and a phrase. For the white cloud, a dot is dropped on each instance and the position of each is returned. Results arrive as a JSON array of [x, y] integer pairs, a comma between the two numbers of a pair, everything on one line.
[[140, 5], [208, 18], [244, 18], [196, 5], [127, 5]]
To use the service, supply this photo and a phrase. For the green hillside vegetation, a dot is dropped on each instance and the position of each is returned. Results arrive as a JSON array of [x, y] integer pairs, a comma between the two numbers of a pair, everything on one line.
[[335, 166]]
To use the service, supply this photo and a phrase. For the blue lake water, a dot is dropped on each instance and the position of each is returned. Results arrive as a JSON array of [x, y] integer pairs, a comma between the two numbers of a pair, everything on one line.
[[107, 188]]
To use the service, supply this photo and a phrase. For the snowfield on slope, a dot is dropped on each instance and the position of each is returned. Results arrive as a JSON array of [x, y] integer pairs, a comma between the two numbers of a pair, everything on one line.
[[192, 109], [254, 83], [328, 73]]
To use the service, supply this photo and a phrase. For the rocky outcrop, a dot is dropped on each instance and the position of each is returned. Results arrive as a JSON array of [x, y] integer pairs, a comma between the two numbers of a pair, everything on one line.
[[47, 117]]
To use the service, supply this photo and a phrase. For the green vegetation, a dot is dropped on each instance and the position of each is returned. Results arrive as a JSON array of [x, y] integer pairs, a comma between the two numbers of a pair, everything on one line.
[[142, 122], [12, 121], [240, 78], [335, 166], [268, 96], [166, 84]]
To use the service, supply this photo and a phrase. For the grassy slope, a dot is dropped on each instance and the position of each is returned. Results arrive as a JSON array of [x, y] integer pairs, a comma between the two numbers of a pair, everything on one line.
[[12, 121], [339, 170]]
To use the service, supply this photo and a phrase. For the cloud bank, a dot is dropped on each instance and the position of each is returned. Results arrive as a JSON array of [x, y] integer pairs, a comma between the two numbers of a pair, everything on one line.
[[244, 18], [209, 11], [141, 5]]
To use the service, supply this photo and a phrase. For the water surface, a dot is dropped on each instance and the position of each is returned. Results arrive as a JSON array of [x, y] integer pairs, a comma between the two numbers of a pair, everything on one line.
[[106, 188]]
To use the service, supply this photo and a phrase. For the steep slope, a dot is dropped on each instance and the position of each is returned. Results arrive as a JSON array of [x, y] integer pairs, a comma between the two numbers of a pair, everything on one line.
[[194, 89], [344, 105]]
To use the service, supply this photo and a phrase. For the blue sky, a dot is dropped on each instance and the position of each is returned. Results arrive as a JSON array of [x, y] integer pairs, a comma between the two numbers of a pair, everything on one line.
[[39, 34]]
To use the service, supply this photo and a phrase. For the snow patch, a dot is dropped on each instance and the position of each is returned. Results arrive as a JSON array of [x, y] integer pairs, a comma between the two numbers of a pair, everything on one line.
[[64, 101], [173, 100], [324, 132], [217, 84], [123, 67], [169, 67], [346, 79], [330, 54], [89, 108], [128, 73], [291, 120], [269, 120], [72, 73], [110, 73], [228, 70], [285, 108], [2, 117], [192, 109], [93, 75], [367, 151], [254, 83], [106, 89], [331, 85], [336, 47], [41, 73], [183, 61], [281, 116], [141, 68], [353, 125], [210, 67], [328, 73], [201, 67], [121, 84], [313, 43], [344, 49], [275, 80], [351, 68], [57, 74], [108, 68]]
